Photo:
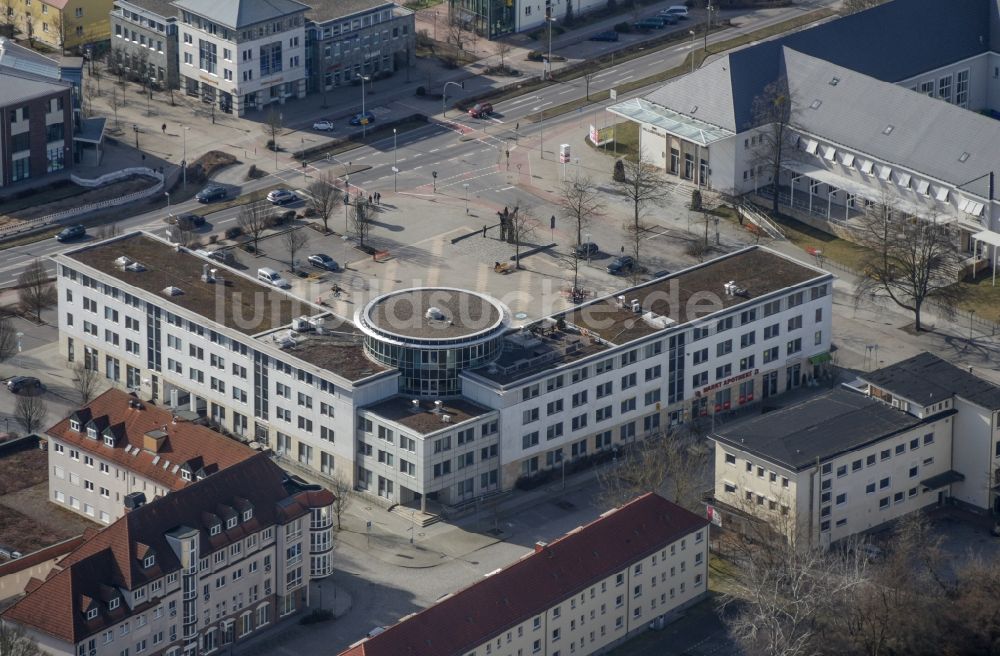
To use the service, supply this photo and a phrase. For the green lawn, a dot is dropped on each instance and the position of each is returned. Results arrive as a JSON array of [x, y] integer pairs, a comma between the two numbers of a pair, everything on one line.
[[833, 247], [983, 297], [627, 136]]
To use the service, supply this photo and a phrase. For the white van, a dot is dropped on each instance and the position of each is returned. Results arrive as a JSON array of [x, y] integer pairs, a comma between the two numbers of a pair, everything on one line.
[[272, 277], [680, 11]]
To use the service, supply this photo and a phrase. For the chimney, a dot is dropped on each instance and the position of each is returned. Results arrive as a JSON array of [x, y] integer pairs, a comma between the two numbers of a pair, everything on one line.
[[153, 440], [134, 500], [438, 405], [541, 546]]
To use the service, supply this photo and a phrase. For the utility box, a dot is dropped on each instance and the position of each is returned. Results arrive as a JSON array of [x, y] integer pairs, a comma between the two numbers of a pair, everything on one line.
[[564, 153]]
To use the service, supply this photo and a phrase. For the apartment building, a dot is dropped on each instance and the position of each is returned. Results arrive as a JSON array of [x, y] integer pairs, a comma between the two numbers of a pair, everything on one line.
[[119, 451], [193, 572], [430, 393], [915, 434], [850, 142], [144, 41], [348, 40], [634, 567], [923, 384], [60, 24], [36, 133], [242, 55]]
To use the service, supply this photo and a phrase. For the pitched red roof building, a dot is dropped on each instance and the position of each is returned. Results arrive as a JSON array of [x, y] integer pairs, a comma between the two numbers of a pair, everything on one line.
[[136, 567], [547, 596]]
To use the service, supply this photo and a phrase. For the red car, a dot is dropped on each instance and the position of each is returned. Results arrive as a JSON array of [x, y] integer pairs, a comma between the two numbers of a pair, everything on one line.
[[481, 110]]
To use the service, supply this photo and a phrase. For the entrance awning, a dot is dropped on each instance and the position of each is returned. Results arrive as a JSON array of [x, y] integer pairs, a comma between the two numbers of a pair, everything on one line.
[[820, 358], [988, 237], [943, 479], [861, 190], [675, 123]]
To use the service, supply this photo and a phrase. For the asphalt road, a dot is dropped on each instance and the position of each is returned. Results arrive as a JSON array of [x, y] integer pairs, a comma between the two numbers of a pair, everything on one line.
[[432, 148]]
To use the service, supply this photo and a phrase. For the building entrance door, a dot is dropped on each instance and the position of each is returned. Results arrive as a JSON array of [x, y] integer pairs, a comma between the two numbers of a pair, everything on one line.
[[793, 376], [770, 384]]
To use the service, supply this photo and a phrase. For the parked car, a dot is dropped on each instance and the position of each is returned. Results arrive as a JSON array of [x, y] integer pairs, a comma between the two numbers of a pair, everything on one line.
[[587, 249], [282, 196], [621, 265], [325, 262], [210, 193], [610, 35], [323, 126], [71, 232], [660, 274], [186, 221], [19, 384], [272, 277], [363, 118], [481, 110], [678, 10], [223, 255], [668, 18]]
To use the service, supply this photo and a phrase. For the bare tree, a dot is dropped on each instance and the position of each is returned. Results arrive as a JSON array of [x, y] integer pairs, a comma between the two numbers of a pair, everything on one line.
[[108, 230], [8, 338], [36, 291], [771, 113], [854, 6], [503, 49], [522, 227], [634, 471], [641, 185], [360, 219], [909, 260], [115, 103], [341, 497], [30, 412], [9, 16], [254, 217], [579, 201], [272, 126], [324, 197], [454, 33], [294, 240], [588, 78], [59, 29], [14, 641], [86, 382]]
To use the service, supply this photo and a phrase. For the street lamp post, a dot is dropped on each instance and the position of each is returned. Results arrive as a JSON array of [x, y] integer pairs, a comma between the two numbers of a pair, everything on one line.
[[167, 194], [394, 146], [708, 23], [550, 20], [444, 96], [135, 128], [588, 247], [466, 187], [691, 32], [364, 117], [184, 156]]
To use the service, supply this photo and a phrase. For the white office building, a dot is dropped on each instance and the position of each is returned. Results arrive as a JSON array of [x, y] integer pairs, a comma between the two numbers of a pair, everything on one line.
[[431, 394]]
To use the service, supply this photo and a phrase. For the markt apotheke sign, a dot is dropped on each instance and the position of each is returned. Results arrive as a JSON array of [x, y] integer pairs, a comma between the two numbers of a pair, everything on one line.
[[730, 381]]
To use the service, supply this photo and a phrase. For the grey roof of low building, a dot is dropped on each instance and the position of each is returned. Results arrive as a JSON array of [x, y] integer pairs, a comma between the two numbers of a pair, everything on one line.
[[817, 429], [19, 86], [928, 134], [927, 379], [322, 11], [892, 42], [241, 13]]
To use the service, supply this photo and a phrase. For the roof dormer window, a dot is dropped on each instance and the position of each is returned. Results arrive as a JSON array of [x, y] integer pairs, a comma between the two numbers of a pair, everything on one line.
[[247, 514], [113, 604], [215, 529], [185, 474], [109, 440], [74, 425], [231, 523], [91, 432], [149, 561], [92, 614]]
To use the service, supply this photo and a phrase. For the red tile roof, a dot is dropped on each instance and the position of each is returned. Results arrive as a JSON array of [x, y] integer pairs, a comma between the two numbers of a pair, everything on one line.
[[186, 442], [537, 582], [110, 560], [42, 555]]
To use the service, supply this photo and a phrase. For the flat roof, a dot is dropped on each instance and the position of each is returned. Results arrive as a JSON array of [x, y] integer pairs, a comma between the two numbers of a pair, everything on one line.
[[338, 349], [538, 348], [925, 379], [407, 313], [322, 11], [422, 417], [690, 294], [236, 302], [821, 427], [673, 122]]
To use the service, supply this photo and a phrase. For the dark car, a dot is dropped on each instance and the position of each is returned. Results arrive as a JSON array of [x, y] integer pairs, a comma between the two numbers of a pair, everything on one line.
[[364, 118], [19, 384], [649, 24], [610, 35], [72, 232], [660, 274], [186, 221], [210, 193], [224, 255], [621, 265], [668, 17], [325, 262], [587, 249], [481, 110]]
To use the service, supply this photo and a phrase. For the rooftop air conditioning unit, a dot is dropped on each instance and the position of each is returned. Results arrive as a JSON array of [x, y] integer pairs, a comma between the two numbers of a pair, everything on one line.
[[446, 419], [636, 306], [621, 301], [438, 404], [302, 325]]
